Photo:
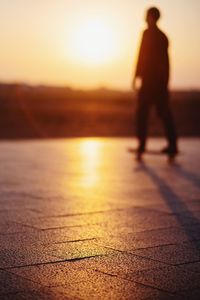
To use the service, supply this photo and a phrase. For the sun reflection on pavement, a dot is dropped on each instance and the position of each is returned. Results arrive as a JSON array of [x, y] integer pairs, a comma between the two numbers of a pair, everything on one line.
[[90, 150], [87, 178]]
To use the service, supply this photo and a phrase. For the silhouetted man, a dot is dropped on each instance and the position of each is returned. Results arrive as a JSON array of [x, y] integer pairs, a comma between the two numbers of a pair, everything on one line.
[[153, 70]]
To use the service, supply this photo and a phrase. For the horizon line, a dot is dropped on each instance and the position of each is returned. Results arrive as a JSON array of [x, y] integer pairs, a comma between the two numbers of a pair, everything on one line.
[[97, 88]]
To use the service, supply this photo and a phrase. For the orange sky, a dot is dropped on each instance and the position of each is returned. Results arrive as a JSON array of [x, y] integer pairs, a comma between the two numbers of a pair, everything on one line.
[[90, 43]]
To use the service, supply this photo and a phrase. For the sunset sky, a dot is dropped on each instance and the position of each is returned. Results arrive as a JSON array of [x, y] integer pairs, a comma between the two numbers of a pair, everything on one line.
[[93, 43]]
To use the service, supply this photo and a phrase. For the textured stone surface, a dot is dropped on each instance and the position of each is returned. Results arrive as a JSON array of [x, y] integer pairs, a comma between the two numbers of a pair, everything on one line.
[[107, 287], [169, 279], [193, 267], [52, 275], [13, 284], [146, 239], [172, 254], [81, 219], [23, 256]]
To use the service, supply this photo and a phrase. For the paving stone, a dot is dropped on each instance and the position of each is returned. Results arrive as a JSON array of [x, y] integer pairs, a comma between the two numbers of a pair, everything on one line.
[[74, 219], [55, 274], [95, 231], [170, 279], [27, 255], [11, 283], [195, 214], [76, 250], [190, 295], [172, 254], [193, 267], [119, 263], [16, 240], [17, 215], [194, 231], [11, 227], [145, 239], [109, 287], [29, 294], [139, 215], [192, 205], [60, 222]]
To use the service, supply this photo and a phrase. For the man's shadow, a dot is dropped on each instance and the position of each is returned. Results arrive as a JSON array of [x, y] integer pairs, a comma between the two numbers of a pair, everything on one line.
[[186, 218], [195, 179]]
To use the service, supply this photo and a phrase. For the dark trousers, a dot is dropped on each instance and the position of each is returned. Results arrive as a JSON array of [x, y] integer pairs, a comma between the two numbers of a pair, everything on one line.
[[159, 100]]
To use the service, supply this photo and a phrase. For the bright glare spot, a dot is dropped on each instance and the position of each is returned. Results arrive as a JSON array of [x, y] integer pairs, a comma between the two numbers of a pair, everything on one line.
[[93, 42], [90, 149]]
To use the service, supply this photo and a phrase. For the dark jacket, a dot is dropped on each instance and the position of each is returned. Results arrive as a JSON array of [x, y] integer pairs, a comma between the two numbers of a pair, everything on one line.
[[153, 61]]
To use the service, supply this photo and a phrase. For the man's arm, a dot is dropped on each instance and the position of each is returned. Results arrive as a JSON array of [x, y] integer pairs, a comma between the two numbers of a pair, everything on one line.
[[167, 70], [166, 63], [139, 65]]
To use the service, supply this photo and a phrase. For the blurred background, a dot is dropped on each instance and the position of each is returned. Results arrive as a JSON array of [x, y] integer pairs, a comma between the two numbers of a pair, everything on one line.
[[66, 66]]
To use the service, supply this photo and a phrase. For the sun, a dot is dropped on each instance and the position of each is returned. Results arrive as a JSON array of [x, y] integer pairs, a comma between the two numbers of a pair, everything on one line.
[[93, 42]]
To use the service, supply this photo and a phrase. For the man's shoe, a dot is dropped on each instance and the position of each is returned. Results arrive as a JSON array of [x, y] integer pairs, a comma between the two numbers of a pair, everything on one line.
[[139, 153], [169, 150]]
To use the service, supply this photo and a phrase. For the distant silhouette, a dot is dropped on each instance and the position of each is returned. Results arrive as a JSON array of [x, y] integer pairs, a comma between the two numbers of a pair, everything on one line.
[[153, 70]]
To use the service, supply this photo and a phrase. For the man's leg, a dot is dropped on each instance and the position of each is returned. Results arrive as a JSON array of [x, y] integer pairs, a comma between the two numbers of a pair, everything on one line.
[[142, 122], [165, 113]]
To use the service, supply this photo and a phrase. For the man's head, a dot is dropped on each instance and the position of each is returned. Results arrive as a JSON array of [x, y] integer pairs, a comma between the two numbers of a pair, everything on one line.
[[152, 16]]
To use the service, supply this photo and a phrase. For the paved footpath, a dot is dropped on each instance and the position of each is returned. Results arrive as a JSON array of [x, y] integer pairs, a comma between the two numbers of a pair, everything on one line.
[[81, 219]]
